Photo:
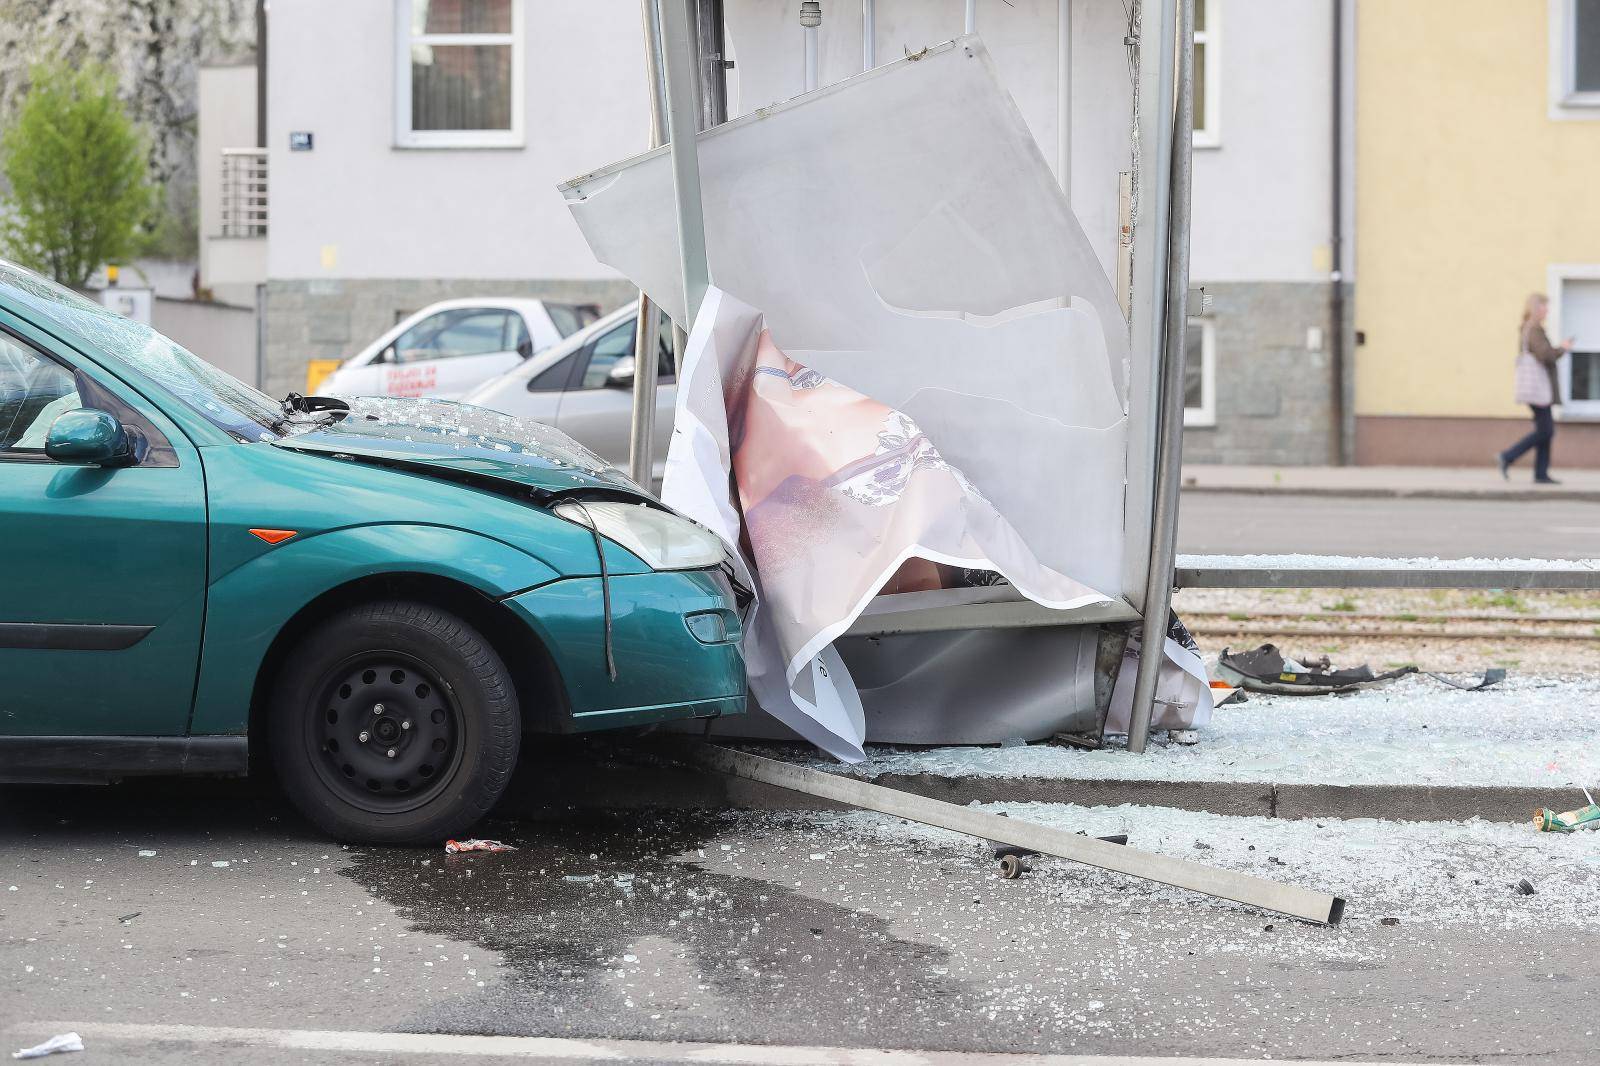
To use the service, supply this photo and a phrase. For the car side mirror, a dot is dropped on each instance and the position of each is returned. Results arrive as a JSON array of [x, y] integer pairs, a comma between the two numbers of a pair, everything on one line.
[[385, 356], [93, 438], [620, 376], [525, 348]]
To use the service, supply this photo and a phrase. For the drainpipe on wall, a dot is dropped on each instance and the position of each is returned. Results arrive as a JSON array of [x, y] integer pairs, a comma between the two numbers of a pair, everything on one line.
[[1338, 438], [261, 73]]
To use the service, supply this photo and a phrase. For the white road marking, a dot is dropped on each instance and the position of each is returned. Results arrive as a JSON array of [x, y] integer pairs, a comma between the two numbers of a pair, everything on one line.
[[560, 1049]]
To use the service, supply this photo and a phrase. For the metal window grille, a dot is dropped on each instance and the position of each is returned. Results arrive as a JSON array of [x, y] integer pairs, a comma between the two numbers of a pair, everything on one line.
[[244, 192]]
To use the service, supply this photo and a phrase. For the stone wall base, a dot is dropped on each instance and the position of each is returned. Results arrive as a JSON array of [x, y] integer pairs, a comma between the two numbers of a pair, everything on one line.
[[1405, 440]]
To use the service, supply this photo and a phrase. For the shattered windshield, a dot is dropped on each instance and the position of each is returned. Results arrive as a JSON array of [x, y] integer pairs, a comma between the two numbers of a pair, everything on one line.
[[222, 399]]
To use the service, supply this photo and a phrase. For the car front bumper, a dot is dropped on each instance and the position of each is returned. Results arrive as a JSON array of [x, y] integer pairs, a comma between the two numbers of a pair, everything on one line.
[[665, 630]]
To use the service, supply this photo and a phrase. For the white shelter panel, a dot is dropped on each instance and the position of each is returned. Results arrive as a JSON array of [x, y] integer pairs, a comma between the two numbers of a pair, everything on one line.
[[904, 236]]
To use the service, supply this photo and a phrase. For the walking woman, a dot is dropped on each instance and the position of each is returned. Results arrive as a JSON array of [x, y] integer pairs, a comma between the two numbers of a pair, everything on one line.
[[1537, 387]]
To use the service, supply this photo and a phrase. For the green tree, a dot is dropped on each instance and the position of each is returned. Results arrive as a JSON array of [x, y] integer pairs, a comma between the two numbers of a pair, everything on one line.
[[76, 164]]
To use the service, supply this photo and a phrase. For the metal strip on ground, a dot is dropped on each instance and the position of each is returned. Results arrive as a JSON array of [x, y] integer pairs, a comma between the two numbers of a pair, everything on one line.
[[1320, 907], [563, 1049]]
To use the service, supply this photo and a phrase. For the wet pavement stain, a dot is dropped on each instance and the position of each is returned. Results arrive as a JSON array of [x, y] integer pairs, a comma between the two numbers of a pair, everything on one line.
[[604, 930]]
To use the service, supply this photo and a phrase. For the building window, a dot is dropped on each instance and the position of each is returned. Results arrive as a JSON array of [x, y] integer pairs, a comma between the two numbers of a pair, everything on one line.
[[1207, 73], [1575, 58], [1200, 374], [458, 73], [1574, 290]]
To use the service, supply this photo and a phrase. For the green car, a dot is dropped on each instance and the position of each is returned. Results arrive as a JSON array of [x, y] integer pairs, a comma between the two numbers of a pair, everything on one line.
[[377, 600]]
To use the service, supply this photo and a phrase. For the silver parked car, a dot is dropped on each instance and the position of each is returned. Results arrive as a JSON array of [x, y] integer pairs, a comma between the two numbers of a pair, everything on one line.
[[584, 387]]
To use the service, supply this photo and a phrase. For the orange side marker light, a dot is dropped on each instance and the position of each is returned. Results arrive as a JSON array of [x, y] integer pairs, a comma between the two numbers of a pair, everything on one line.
[[274, 536]]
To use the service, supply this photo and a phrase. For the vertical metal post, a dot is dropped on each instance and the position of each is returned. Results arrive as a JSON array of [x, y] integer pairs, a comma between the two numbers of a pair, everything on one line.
[[810, 19], [261, 337], [971, 24], [710, 39], [647, 336], [1154, 31], [678, 54], [869, 35], [1169, 451], [1338, 447], [1064, 96]]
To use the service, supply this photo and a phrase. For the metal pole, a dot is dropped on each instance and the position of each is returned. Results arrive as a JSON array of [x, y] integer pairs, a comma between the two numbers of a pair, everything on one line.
[[678, 54], [1169, 439], [810, 19], [1337, 443], [711, 40], [1154, 33], [869, 35], [1064, 96], [972, 17], [647, 338], [1307, 904]]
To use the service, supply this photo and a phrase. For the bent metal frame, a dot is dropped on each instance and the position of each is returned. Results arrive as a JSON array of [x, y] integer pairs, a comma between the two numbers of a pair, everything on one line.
[[685, 69]]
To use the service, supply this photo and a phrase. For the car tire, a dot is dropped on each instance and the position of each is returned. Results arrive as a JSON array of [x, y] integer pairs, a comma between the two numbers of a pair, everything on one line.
[[394, 722]]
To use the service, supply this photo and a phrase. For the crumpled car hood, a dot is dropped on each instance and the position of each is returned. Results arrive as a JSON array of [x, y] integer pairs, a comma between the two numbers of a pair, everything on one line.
[[465, 443]]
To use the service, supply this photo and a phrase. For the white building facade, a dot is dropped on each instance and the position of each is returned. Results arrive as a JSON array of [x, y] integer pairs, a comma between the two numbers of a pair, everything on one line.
[[414, 148]]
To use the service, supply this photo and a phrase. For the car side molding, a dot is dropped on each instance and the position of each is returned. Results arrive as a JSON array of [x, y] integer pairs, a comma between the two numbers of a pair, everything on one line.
[[70, 636], [102, 759]]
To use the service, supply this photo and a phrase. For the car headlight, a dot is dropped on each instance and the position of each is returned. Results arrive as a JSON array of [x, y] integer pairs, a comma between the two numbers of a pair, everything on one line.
[[662, 539]]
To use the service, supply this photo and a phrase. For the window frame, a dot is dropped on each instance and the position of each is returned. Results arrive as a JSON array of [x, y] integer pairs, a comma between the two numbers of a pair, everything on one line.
[[1208, 127], [404, 135], [1205, 415], [1565, 101]]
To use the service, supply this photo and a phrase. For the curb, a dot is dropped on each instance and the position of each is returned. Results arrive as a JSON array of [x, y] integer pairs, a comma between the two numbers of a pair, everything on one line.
[[624, 786], [1358, 492]]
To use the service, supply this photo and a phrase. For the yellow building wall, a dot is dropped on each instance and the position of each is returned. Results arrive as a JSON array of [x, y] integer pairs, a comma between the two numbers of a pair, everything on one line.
[[1466, 190]]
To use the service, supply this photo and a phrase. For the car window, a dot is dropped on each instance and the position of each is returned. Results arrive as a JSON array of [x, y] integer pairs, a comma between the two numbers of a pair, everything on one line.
[[34, 392], [223, 400], [457, 332], [553, 379], [617, 343], [570, 318]]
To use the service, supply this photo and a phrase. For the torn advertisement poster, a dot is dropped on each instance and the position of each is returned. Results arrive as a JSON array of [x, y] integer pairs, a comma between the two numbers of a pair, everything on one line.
[[833, 497], [1184, 698], [902, 237]]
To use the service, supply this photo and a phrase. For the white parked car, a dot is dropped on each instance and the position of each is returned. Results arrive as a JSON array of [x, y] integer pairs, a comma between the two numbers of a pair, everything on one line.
[[584, 387], [448, 348]]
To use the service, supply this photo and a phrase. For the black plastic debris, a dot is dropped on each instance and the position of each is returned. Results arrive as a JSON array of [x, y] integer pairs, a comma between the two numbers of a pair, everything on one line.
[[1267, 669]]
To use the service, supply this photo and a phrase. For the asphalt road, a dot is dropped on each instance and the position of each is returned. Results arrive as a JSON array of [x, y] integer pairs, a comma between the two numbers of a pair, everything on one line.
[[749, 927], [1245, 523]]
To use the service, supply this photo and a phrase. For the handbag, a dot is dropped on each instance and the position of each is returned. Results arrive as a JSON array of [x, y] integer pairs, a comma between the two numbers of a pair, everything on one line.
[[1532, 380]]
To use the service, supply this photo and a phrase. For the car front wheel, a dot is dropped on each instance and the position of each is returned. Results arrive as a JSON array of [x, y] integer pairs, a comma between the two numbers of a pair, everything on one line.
[[394, 723]]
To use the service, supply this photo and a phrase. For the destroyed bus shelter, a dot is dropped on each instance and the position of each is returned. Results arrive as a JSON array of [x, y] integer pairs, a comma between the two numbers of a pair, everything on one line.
[[905, 241]]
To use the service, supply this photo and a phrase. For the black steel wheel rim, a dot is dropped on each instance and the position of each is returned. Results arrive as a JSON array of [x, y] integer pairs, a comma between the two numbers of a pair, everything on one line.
[[386, 733]]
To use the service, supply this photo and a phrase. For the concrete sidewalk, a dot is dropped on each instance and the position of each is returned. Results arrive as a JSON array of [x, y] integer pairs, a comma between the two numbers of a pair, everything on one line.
[[1416, 750], [1425, 482]]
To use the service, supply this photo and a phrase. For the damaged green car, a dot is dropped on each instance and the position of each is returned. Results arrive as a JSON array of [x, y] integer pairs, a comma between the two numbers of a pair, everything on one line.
[[381, 601]]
